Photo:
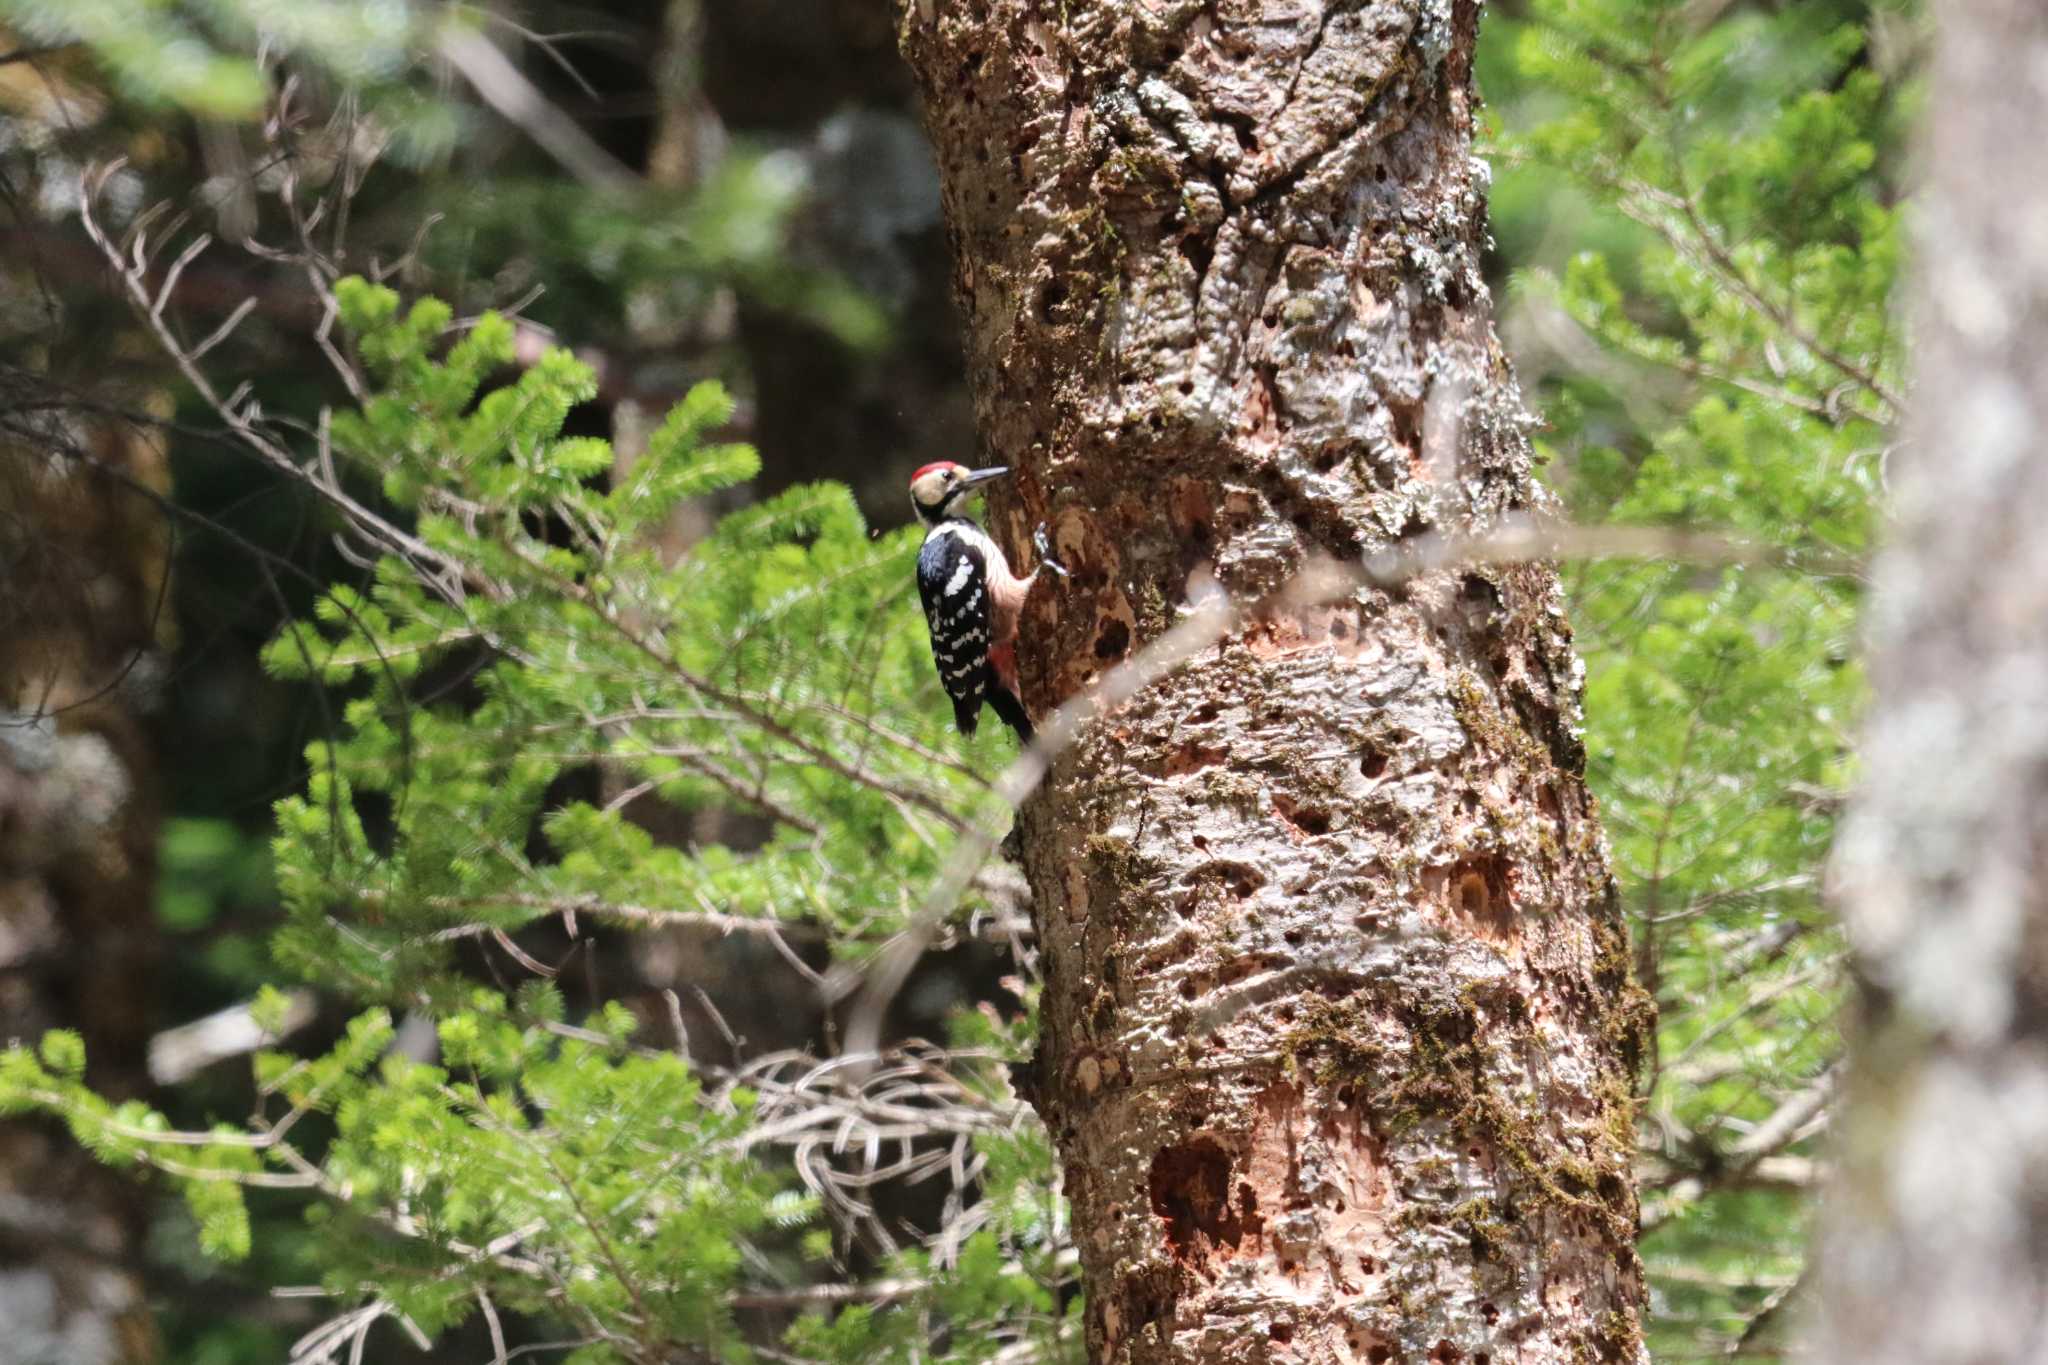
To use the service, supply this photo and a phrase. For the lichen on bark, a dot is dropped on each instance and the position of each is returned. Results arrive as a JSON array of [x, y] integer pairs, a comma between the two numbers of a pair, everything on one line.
[[1338, 1033]]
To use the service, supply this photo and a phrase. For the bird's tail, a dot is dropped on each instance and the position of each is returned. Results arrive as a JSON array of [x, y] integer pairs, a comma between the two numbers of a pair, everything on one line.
[[1010, 711]]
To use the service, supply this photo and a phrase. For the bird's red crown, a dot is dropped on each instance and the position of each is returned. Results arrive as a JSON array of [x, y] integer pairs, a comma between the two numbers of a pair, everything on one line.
[[934, 467]]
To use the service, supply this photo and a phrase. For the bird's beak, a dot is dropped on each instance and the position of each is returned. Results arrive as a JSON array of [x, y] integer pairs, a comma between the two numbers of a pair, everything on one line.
[[982, 476]]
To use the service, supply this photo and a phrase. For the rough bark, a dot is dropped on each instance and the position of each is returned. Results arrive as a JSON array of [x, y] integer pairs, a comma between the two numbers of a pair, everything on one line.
[[1934, 1249], [1338, 1032]]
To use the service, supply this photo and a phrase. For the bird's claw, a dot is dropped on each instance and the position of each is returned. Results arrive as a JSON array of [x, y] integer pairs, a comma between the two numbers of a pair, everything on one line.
[[1042, 543]]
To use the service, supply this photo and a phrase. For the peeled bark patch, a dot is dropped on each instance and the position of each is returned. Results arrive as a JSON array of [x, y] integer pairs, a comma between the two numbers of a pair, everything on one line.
[[1338, 1032], [1192, 1196]]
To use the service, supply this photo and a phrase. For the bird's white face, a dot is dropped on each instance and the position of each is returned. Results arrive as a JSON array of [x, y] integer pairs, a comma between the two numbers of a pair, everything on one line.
[[929, 489], [935, 488]]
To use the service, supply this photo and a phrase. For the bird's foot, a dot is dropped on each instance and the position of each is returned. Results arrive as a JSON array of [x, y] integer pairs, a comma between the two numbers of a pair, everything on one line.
[[1042, 543]]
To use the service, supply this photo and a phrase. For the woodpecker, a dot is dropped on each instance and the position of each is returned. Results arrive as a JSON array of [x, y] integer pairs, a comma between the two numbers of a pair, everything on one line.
[[971, 599]]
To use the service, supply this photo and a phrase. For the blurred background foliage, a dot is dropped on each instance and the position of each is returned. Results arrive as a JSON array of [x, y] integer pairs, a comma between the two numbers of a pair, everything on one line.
[[1697, 206], [1706, 317]]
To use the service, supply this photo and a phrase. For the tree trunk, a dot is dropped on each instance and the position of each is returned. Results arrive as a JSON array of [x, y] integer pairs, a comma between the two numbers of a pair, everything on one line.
[[79, 941], [1941, 868], [1338, 1033]]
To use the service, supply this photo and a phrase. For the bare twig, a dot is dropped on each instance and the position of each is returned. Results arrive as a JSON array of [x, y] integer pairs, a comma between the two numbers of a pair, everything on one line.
[[505, 88], [653, 916], [1797, 1118], [490, 1311], [131, 269], [179, 1053], [828, 1295], [29, 54], [226, 328], [1766, 1314]]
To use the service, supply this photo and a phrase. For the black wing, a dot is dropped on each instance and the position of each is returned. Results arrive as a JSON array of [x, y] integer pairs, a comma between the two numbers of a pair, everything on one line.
[[952, 581]]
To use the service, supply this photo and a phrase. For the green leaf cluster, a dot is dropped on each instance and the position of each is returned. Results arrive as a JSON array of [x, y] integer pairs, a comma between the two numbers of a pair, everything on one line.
[[669, 257], [527, 661], [775, 669], [1741, 179], [202, 55], [567, 1177]]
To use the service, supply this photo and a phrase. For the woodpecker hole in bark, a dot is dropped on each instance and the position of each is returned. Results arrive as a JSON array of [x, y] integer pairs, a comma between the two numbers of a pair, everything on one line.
[[1312, 821], [1113, 640], [1191, 1194]]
